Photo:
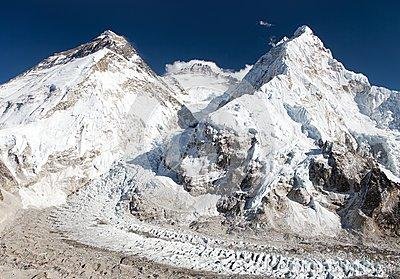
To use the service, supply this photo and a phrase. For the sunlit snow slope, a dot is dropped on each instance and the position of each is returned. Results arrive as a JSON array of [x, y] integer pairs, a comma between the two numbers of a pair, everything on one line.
[[66, 120]]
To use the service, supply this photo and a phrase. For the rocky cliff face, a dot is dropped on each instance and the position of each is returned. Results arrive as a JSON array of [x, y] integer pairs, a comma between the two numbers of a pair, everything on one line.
[[374, 209]]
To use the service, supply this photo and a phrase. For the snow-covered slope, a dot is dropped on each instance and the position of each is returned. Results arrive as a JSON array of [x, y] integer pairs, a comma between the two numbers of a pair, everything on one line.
[[298, 109], [197, 82], [66, 120]]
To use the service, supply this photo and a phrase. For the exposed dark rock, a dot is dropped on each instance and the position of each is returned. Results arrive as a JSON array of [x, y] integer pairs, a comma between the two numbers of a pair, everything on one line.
[[7, 180], [134, 203], [381, 201], [345, 169], [375, 209], [251, 180], [379, 152], [228, 154], [299, 195], [319, 173], [373, 201], [107, 39], [246, 184], [52, 88], [231, 205], [186, 118], [228, 204]]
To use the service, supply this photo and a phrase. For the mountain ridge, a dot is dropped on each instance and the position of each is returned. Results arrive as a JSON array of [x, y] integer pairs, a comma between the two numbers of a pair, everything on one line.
[[69, 106], [289, 168], [267, 131]]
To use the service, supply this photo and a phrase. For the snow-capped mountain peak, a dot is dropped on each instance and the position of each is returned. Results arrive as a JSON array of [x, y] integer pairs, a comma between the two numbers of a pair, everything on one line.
[[202, 67], [94, 102], [304, 29], [197, 82], [110, 34], [193, 66], [303, 51], [295, 98], [107, 40]]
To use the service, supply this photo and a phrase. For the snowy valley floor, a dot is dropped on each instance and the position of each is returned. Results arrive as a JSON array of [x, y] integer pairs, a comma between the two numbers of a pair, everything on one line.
[[94, 236]]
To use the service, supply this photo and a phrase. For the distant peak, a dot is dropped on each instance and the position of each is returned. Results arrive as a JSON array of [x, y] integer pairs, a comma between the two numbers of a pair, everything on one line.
[[108, 33], [206, 68], [303, 30], [109, 37], [193, 66], [106, 40]]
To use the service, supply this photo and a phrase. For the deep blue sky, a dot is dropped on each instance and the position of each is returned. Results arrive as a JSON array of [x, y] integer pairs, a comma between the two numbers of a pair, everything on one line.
[[364, 35]]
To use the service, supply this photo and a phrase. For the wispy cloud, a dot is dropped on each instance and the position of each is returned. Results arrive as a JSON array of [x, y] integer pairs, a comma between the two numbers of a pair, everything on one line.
[[265, 23]]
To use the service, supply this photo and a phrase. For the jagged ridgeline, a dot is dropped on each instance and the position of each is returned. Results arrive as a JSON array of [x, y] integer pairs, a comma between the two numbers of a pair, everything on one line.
[[287, 168]]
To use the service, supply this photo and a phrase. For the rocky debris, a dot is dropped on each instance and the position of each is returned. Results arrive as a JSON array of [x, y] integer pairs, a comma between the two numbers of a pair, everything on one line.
[[299, 193], [233, 205], [319, 172], [228, 204], [32, 248], [7, 180], [134, 203]]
